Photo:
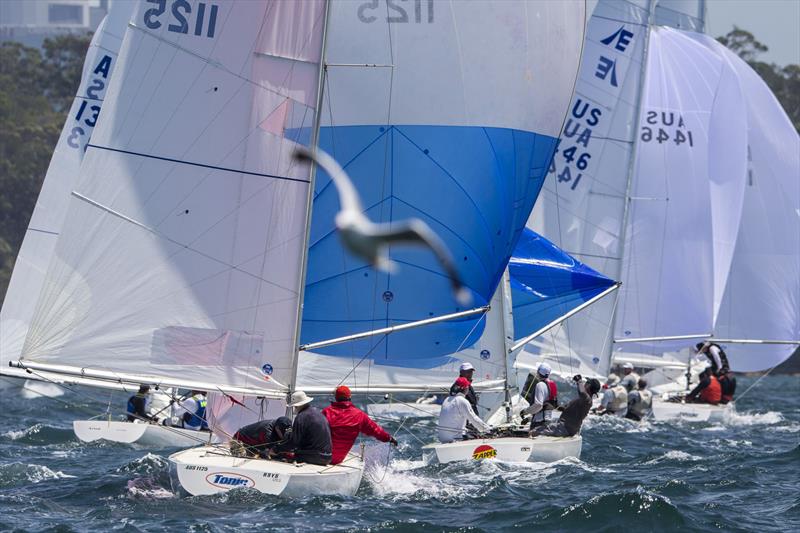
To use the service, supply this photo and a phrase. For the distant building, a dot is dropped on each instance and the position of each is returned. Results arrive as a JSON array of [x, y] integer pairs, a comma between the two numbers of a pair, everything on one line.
[[31, 21]]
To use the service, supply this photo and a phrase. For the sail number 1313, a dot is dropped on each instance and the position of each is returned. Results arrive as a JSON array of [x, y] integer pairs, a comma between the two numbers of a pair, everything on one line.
[[181, 17]]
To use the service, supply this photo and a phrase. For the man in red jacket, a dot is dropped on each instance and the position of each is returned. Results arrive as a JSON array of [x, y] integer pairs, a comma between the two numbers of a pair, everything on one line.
[[347, 421]]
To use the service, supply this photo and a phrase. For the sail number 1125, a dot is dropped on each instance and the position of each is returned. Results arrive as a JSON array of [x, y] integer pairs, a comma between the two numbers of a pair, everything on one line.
[[180, 17]]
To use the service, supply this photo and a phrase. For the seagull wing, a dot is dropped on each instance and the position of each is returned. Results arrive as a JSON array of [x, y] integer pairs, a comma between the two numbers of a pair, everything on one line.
[[348, 196], [416, 231]]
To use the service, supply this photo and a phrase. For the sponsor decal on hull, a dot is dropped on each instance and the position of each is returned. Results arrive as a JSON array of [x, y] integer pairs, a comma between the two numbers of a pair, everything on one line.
[[484, 451], [228, 480]]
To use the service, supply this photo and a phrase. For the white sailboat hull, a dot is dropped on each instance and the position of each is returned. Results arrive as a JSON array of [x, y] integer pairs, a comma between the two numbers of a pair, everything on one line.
[[210, 470], [512, 449], [32, 389], [695, 412], [141, 434]]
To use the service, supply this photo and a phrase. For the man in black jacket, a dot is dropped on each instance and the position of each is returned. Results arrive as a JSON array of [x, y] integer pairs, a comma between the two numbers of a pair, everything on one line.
[[311, 435]]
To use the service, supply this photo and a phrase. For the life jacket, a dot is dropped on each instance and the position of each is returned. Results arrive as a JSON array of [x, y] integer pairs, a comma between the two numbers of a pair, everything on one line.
[[529, 389], [131, 409], [620, 400], [641, 407], [198, 418], [713, 393], [723, 358]]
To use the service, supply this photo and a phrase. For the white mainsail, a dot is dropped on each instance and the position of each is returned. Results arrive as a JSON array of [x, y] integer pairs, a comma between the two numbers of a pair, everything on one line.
[[181, 253], [51, 206]]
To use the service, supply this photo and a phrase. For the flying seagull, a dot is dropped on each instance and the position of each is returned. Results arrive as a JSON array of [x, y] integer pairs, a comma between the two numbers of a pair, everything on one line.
[[370, 241]]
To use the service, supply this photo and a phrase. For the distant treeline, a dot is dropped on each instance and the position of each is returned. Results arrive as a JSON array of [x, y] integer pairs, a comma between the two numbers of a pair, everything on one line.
[[37, 87]]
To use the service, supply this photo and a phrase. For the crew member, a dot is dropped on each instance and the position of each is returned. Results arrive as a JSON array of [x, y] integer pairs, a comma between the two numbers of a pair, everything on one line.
[[727, 383], [708, 390], [716, 356], [572, 417], [466, 370], [455, 413], [640, 402], [138, 403], [261, 439], [629, 378], [311, 436], [191, 412], [346, 422], [541, 393], [615, 398]]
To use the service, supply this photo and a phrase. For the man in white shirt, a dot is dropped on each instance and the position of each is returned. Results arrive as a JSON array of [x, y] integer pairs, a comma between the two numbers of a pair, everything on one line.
[[455, 413]]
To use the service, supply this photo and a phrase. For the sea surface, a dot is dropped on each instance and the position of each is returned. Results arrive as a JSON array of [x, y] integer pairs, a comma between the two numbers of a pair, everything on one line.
[[740, 475]]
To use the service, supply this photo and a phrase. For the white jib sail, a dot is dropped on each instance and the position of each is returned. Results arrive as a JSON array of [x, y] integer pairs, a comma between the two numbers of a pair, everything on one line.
[[182, 249], [51, 205]]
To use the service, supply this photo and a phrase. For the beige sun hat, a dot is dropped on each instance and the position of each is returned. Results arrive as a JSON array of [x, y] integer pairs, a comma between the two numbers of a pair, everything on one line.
[[300, 398], [612, 380]]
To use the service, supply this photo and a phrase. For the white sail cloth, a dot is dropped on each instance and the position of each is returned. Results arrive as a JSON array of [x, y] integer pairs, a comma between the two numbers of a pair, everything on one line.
[[581, 208], [181, 252], [686, 194], [51, 205]]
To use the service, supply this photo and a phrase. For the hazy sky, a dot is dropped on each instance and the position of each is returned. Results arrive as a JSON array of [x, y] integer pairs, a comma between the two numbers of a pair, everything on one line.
[[776, 23]]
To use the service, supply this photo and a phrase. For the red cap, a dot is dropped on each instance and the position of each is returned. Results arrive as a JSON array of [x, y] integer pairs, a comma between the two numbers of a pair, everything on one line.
[[342, 393], [462, 383]]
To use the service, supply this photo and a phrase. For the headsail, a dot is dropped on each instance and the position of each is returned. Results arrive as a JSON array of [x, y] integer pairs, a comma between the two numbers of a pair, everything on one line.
[[433, 122], [182, 249], [51, 205], [582, 206]]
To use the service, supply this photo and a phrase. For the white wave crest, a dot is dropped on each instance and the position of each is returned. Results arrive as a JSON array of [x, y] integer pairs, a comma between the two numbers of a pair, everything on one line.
[[747, 418], [147, 489], [13, 473], [674, 455], [18, 434]]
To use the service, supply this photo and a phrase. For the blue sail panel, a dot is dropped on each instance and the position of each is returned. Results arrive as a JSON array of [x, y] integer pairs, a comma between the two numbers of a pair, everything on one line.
[[547, 283], [473, 186]]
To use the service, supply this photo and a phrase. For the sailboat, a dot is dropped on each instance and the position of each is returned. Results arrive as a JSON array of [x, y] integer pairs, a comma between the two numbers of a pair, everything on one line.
[[636, 202], [182, 260], [48, 216]]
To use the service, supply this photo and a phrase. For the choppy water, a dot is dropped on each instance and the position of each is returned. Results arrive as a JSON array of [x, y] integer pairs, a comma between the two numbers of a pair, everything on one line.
[[741, 475]]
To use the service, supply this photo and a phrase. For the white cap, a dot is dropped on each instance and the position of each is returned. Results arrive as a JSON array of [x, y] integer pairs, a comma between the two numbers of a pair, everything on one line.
[[466, 366], [543, 370], [628, 366], [300, 398], [612, 380]]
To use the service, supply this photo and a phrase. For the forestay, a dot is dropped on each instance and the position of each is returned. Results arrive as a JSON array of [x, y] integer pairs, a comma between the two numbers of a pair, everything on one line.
[[182, 249], [445, 111], [51, 205]]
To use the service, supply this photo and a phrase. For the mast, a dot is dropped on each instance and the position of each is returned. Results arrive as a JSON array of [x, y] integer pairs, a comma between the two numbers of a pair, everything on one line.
[[309, 203], [632, 165], [508, 337]]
